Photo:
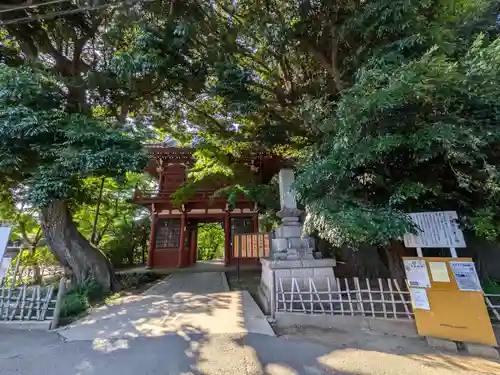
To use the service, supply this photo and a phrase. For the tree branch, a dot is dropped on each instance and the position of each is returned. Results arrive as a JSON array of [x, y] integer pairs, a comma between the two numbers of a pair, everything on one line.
[[335, 70]]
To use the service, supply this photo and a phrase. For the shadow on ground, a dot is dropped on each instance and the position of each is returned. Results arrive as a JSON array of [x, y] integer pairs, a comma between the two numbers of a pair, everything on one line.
[[201, 332], [191, 350]]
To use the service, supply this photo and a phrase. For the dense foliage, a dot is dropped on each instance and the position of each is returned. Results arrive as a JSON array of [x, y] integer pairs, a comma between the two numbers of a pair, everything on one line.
[[52, 151], [210, 241], [385, 107]]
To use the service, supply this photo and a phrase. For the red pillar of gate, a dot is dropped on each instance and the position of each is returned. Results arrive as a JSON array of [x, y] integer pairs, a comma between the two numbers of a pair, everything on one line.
[[193, 246], [152, 238], [182, 239], [227, 238], [255, 221]]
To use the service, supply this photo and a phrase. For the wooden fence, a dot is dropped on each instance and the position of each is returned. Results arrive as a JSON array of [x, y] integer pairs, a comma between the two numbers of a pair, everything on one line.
[[376, 298], [27, 303], [382, 298], [493, 305]]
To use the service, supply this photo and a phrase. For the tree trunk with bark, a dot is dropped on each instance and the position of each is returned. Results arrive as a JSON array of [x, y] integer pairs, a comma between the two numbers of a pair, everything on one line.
[[392, 258], [74, 251]]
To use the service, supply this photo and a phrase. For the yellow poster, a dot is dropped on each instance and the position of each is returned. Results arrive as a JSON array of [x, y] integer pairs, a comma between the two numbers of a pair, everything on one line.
[[439, 273]]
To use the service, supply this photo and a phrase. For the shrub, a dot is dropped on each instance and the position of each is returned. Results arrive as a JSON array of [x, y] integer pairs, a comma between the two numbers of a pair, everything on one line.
[[136, 279], [74, 304], [78, 298]]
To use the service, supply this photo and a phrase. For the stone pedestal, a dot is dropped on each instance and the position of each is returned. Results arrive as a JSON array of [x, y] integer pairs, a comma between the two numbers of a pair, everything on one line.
[[320, 270], [292, 255], [288, 244]]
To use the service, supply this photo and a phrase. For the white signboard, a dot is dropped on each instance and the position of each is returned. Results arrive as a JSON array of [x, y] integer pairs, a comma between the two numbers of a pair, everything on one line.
[[437, 229], [466, 276], [4, 266], [4, 238], [416, 273], [420, 299]]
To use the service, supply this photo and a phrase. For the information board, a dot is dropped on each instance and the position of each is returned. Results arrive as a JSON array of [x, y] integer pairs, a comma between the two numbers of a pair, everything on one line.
[[452, 307], [4, 239], [4, 266], [416, 273], [437, 229]]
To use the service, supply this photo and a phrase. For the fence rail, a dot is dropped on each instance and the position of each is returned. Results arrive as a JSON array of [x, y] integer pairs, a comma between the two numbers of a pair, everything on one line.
[[376, 298], [493, 305], [27, 303], [383, 298]]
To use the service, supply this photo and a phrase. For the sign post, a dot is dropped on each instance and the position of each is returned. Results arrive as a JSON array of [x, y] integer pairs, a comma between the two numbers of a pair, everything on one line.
[[446, 294]]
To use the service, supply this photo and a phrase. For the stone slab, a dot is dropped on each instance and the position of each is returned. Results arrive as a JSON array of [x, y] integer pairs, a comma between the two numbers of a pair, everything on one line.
[[312, 263], [288, 231], [318, 263], [287, 195], [30, 325], [390, 327], [447, 345], [399, 327], [286, 319], [482, 351], [225, 284]]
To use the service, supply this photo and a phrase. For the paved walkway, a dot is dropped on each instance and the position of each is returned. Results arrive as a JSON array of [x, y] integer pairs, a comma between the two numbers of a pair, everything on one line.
[[189, 324], [181, 304]]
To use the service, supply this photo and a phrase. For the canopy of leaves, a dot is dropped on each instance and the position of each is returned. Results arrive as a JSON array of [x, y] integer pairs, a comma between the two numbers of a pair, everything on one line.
[[369, 96], [210, 241], [412, 134], [51, 150], [122, 227]]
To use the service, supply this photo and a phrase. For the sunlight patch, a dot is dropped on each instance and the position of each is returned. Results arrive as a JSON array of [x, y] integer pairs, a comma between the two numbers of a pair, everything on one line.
[[107, 345]]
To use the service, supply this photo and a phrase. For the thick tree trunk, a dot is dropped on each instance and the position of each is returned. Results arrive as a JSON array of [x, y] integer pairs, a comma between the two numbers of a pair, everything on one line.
[[74, 251], [394, 262]]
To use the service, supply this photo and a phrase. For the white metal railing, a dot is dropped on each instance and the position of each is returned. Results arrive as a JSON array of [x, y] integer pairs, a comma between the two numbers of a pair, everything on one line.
[[27, 303], [383, 298]]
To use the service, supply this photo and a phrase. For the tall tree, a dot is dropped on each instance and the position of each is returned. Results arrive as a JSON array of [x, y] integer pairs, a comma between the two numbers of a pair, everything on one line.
[[49, 151], [332, 84], [77, 118], [416, 131]]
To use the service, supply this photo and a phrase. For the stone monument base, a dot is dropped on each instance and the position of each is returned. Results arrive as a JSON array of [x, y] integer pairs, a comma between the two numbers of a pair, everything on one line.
[[320, 270]]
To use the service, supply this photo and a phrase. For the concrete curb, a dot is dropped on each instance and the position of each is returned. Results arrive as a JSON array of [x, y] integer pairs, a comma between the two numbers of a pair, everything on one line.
[[253, 318], [482, 351], [447, 345], [224, 281], [398, 327], [31, 325], [155, 285]]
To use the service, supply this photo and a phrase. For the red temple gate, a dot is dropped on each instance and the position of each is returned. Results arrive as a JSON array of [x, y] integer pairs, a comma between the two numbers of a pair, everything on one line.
[[173, 237]]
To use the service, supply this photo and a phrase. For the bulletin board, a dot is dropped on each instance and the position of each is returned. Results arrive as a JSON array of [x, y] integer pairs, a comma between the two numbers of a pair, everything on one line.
[[448, 303]]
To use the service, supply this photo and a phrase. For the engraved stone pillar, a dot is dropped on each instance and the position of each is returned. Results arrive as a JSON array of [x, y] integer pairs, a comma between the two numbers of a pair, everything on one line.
[[292, 255]]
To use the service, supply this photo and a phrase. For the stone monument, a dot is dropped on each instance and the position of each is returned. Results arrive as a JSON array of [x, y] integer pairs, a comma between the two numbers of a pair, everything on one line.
[[292, 255]]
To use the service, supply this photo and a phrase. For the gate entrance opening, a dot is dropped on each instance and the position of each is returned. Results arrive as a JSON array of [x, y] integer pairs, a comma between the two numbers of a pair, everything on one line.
[[175, 226]]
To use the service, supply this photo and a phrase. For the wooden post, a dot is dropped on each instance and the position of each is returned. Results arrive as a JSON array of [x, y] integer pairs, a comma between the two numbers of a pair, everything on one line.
[[227, 238], [57, 309], [152, 239], [255, 222], [182, 239], [240, 241], [193, 245]]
